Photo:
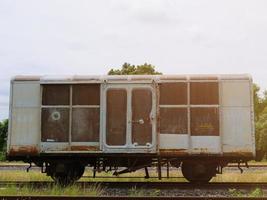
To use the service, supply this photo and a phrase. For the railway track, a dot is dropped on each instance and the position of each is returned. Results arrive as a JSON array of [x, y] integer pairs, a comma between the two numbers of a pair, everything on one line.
[[125, 198], [150, 185], [168, 190]]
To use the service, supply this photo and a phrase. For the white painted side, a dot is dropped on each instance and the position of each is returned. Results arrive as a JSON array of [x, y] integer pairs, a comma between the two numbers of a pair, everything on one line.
[[235, 93], [205, 144], [26, 94], [237, 129], [173, 141], [25, 115]]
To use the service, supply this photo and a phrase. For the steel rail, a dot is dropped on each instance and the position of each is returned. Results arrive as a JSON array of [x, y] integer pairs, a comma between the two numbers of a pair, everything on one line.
[[150, 185], [125, 198]]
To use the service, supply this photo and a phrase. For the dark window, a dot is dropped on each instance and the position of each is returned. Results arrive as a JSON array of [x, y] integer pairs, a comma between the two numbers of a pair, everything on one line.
[[56, 95], [55, 124], [116, 116], [205, 121], [86, 94], [141, 109], [173, 120], [204, 93], [85, 125], [173, 93]]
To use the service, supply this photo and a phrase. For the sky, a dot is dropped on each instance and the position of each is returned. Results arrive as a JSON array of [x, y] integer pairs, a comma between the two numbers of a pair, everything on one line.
[[64, 37]]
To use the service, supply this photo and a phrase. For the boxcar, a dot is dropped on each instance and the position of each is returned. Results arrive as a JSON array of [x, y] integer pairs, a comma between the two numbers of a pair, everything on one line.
[[125, 123]]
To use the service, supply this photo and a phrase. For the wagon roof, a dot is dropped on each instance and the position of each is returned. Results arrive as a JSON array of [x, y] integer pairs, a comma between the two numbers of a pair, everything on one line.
[[99, 78]]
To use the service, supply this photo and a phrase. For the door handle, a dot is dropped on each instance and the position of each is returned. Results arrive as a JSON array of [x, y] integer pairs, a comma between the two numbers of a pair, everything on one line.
[[140, 121]]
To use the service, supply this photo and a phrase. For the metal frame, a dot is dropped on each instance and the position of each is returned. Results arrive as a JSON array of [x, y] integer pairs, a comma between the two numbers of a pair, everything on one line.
[[128, 147], [55, 146]]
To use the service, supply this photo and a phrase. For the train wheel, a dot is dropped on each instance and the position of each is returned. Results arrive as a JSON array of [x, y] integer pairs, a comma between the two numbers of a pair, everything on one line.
[[72, 173], [198, 172]]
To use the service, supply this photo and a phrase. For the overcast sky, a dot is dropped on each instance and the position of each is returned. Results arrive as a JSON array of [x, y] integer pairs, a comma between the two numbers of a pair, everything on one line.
[[91, 36]]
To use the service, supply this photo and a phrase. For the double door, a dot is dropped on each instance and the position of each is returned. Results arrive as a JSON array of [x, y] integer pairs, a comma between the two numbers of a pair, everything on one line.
[[129, 114]]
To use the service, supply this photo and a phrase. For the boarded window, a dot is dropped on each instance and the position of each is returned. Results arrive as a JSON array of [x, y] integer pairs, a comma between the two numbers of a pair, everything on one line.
[[141, 109], [56, 95], [204, 93], [116, 116], [85, 125], [86, 94], [205, 121], [55, 124], [173, 120], [173, 93]]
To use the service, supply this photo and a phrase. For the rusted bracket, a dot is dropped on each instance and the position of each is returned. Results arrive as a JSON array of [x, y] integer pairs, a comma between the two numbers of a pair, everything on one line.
[[241, 170], [246, 163], [28, 168]]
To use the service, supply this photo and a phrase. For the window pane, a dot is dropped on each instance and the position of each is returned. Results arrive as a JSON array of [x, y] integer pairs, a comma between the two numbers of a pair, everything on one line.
[[56, 95], [141, 108], [86, 94], [85, 125], [173, 120], [173, 93], [55, 124], [116, 116], [206, 93], [204, 121]]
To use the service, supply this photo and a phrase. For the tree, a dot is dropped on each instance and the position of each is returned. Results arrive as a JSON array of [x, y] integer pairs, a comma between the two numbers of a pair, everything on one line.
[[3, 137], [128, 69], [260, 110]]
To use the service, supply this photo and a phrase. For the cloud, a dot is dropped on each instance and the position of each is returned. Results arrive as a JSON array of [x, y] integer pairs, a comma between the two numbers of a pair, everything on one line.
[[87, 37]]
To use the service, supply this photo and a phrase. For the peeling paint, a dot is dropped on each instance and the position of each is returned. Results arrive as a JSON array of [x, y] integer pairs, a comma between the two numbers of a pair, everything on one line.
[[23, 150], [84, 148]]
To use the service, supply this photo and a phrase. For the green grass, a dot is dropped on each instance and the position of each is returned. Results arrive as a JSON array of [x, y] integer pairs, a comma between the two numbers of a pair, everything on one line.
[[257, 192], [74, 190]]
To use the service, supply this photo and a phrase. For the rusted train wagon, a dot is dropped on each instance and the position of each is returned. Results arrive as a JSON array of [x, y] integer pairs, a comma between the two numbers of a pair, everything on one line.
[[126, 123]]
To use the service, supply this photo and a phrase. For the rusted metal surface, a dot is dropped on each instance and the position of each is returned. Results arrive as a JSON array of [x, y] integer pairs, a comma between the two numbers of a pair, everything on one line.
[[55, 124], [204, 93], [56, 95], [141, 109], [174, 152], [173, 93], [236, 112], [85, 125], [116, 116], [86, 94], [23, 150], [205, 121], [84, 148], [173, 120]]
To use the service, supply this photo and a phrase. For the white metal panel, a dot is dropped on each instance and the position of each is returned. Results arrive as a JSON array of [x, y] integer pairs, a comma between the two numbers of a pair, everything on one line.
[[26, 94], [25, 129], [205, 144], [173, 141], [237, 129], [235, 93], [25, 116]]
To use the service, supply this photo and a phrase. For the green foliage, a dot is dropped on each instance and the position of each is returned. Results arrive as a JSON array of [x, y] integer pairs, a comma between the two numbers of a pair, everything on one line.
[[253, 193], [73, 190], [128, 69], [3, 138], [260, 109]]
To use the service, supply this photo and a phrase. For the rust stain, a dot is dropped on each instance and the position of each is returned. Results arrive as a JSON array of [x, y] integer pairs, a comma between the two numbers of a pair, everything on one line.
[[173, 152], [23, 150], [84, 148], [238, 153]]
